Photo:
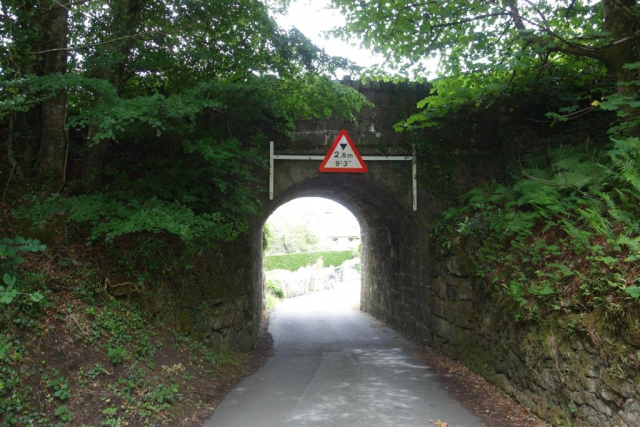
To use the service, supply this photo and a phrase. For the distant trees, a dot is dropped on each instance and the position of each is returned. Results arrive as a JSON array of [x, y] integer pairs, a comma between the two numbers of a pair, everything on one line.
[[290, 238]]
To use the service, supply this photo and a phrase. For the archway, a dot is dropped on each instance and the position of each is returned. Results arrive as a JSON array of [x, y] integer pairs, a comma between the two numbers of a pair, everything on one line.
[[312, 244], [393, 245]]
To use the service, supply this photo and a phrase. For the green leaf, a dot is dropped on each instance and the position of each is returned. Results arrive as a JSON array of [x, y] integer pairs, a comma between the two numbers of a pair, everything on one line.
[[633, 291], [8, 295], [9, 280], [4, 349], [36, 296]]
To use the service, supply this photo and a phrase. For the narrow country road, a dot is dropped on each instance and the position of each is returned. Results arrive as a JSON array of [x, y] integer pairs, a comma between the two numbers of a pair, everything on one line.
[[335, 366]]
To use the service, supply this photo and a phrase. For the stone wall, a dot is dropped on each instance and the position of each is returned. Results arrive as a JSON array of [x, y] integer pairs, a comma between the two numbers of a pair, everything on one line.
[[305, 280], [554, 369], [213, 299], [394, 278]]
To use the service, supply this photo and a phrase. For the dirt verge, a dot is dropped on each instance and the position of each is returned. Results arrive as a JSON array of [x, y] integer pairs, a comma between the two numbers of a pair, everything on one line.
[[486, 401]]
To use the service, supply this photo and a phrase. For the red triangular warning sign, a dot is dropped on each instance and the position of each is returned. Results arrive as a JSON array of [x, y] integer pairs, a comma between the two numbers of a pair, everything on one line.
[[343, 156]]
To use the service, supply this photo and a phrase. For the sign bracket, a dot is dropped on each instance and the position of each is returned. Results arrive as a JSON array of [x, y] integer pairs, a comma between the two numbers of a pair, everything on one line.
[[273, 157]]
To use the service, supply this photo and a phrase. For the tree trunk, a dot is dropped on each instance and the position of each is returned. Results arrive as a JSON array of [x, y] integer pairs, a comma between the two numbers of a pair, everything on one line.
[[620, 22], [124, 21], [53, 140], [11, 152], [92, 164]]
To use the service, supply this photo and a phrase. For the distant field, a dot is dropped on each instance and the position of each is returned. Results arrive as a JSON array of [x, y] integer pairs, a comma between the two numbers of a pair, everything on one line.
[[292, 262]]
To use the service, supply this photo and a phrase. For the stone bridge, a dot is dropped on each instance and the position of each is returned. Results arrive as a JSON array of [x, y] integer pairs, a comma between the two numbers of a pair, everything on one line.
[[381, 199], [427, 292], [397, 275]]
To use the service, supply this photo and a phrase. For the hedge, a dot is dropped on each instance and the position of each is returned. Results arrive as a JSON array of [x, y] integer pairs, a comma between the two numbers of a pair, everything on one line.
[[292, 262]]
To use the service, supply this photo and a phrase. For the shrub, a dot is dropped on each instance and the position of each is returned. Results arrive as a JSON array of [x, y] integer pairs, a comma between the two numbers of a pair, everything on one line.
[[293, 262], [274, 289], [117, 355]]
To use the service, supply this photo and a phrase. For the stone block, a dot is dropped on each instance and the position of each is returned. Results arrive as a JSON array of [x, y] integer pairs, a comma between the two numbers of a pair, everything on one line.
[[245, 342], [597, 404], [465, 314], [238, 319], [624, 387], [460, 337], [437, 269], [460, 265], [440, 288], [225, 317], [450, 312], [442, 328], [452, 293], [631, 412], [464, 287], [608, 395], [437, 307], [230, 339], [588, 416], [576, 397]]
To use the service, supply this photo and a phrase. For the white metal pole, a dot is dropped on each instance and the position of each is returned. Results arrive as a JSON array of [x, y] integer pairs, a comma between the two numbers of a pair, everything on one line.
[[271, 171], [414, 172]]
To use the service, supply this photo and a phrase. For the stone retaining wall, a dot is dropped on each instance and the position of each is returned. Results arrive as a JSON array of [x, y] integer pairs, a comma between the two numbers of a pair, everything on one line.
[[305, 280], [554, 369], [213, 299]]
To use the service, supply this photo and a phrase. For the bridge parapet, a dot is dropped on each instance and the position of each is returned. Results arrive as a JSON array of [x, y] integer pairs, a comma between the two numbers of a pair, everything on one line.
[[372, 132]]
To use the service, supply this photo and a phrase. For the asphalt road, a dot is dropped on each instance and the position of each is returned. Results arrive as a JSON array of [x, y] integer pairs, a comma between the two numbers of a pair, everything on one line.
[[335, 366]]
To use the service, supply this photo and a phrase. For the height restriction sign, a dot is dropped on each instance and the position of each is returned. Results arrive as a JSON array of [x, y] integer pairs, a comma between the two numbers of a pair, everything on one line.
[[343, 157]]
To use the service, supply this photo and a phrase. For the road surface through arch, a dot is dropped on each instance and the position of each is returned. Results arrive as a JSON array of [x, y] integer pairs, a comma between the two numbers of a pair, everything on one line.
[[335, 366]]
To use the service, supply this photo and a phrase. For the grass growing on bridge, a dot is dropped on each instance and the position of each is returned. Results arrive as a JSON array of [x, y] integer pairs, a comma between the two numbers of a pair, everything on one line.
[[292, 262]]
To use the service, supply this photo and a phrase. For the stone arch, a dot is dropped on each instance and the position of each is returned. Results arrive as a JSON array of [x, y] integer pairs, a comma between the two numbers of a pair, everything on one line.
[[393, 244]]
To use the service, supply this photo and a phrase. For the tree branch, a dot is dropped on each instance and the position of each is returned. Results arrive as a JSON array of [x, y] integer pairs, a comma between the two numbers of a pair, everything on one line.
[[117, 39], [568, 48], [569, 9], [514, 12], [465, 21]]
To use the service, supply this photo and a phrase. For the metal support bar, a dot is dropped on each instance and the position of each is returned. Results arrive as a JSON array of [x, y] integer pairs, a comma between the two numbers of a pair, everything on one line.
[[414, 167], [414, 173], [294, 157], [271, 170], [313, 157]]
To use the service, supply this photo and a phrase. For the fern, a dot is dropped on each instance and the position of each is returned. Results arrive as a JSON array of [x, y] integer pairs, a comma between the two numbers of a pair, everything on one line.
[[572, 218], [625, 157]]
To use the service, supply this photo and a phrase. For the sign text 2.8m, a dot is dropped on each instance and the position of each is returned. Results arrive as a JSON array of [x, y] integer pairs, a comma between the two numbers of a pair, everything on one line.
[[343, 157]]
